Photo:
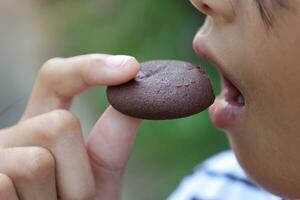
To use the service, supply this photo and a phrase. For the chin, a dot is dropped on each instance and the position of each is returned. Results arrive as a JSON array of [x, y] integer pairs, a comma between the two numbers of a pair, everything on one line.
[[274, 178]]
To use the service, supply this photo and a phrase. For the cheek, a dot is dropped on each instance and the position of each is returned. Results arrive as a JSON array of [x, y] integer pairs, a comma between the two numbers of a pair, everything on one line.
[[272, 81], [268, 137], [267, 141]]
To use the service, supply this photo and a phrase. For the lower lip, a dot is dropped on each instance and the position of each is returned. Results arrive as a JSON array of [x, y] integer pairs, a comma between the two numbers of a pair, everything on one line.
[[226, 110]]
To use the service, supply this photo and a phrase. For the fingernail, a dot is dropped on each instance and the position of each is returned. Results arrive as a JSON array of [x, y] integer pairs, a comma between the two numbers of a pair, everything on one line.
[[117, 61]]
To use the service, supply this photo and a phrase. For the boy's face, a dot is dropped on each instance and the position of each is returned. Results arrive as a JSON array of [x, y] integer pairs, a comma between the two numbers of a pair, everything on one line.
[[256, 46]]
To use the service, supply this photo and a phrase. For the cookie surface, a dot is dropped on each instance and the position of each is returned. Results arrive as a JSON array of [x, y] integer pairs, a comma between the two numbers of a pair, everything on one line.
[[163, 89]]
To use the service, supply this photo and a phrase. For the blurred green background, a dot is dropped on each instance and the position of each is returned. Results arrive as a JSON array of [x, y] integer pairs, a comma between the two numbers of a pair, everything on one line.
[[165, 151]]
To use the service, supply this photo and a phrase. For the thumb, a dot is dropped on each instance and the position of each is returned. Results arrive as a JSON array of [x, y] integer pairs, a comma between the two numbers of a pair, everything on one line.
[[109, 146]]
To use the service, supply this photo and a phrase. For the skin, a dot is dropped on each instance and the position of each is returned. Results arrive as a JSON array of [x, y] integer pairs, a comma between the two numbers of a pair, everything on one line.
[[264, 65], [51, 161], [45, 157]]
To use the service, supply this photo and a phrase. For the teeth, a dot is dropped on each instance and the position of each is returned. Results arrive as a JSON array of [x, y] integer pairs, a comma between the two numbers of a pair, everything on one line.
[[241, 100]]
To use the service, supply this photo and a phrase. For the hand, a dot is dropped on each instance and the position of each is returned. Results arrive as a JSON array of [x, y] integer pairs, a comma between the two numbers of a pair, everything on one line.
[[44, 156]]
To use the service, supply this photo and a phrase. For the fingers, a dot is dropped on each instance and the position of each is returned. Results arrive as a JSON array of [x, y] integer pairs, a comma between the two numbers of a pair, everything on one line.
[[32, 171], [109, 146], [60, 79], [7, 188], [60, 132]]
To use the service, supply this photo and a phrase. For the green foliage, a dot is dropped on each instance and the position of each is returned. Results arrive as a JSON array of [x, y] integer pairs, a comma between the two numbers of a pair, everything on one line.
[[165, 151]]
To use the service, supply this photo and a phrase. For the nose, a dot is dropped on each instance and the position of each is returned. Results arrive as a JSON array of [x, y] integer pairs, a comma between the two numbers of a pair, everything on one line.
[[217, 9]]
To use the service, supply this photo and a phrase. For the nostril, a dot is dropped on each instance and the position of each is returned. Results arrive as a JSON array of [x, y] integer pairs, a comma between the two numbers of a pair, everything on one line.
[[219, 10], [206, 9]]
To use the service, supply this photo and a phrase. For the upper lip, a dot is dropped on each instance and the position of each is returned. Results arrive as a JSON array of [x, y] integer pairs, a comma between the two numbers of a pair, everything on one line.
[[206, 54]]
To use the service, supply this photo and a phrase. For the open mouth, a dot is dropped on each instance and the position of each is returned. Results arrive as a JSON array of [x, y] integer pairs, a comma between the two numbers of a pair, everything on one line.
[[230, 103], [231, 94], [228, 106]]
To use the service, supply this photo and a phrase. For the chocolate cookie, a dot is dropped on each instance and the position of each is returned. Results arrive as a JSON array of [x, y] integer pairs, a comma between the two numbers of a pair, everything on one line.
[[163, 89]]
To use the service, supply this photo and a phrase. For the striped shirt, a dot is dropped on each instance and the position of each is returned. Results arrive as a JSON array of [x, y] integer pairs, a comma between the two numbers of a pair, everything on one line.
[[220, 178]]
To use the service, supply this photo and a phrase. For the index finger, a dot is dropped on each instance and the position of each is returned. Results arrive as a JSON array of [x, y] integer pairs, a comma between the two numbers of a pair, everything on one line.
[[60, 79]]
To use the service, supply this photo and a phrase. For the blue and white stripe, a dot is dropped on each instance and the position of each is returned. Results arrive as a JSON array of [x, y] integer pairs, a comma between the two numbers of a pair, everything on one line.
[[220, 178]]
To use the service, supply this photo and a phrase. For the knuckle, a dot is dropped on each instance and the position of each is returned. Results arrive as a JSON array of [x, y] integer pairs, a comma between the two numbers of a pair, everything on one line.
[[39, 163], [48, 67], [51, 127], [49, 64], [6, 184], [38, 129], [64, 122], [95, 60]]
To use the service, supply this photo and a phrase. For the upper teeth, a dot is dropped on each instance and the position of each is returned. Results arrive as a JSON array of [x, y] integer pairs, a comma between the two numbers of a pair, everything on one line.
[[241, 100]]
